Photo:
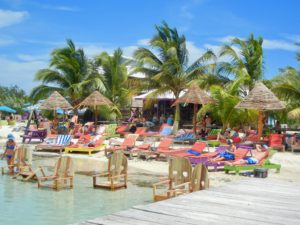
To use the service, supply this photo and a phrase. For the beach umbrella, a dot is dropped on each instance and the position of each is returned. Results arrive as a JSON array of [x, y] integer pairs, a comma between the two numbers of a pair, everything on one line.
[[95, 99], [4, 108], [55, 101], [196, 96], [261, 99]]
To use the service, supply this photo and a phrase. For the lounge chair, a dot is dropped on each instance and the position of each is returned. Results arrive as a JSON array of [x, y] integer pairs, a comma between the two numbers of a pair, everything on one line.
[[263, 163], [63, 172], [95, 144], [199, 181], [39, 134], [187, 137], [116, 173], [276, 142], [213, 134], [180, 172], [126, 145], [195, 150], [203, 158], [19, 161], [239, 154], [110, 131], [59, 142]]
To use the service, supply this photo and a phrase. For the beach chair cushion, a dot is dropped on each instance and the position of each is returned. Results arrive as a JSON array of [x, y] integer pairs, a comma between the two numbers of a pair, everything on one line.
[[63, 139], [166, 131]]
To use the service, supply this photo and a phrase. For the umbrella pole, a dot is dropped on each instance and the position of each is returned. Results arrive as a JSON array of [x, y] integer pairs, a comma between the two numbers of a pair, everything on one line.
[[95, 115], [195, 117], [260, 125]]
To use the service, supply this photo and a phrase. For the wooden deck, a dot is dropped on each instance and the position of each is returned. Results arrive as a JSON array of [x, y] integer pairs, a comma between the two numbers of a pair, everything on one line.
[[252, 201]]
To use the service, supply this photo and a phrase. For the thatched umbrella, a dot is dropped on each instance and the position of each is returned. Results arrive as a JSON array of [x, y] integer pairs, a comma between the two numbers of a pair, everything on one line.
[[95, 99], [261, 99], [55, 101], [195, 96]]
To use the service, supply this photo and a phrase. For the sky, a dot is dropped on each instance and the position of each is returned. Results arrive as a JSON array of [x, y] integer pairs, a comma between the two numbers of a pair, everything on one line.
[[31, 29]]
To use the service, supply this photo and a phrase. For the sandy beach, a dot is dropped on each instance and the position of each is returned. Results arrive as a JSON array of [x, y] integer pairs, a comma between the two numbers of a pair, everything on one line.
[[83, 163]]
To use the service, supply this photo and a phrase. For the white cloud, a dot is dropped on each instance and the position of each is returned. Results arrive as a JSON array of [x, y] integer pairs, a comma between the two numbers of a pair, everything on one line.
[[13, 72], [226, 39], [8, 18], [30, 58], [6, 42], [194, 51], [61, 8], [280, 45], [145, 41]]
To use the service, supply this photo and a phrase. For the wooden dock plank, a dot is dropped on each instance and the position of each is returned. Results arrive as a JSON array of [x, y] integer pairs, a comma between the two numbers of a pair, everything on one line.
[[250, 201]]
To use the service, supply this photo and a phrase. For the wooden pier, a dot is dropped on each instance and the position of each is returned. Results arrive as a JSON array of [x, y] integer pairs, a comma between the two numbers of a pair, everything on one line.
[[251, 201]]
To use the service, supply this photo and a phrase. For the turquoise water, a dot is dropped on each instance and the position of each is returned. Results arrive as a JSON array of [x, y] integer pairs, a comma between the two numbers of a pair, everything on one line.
[[23, 203]]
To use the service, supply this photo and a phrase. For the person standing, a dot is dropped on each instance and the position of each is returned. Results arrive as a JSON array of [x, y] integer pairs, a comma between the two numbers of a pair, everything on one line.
[[9, 152]]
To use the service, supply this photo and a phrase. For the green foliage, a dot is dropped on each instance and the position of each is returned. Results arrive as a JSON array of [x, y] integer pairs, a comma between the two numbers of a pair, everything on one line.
[[115, 79], [166, 64], [70, 73], [13, 97]]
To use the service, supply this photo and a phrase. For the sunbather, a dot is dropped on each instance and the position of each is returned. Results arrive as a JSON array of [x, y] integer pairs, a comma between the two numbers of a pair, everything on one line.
[[256, 155], [9, 152], [228, 154]]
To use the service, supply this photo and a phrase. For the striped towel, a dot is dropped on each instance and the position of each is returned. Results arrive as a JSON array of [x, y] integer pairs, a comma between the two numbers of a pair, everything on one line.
[[63, 139]]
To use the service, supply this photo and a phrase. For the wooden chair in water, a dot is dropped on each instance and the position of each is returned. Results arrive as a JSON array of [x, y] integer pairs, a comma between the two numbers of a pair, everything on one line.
[[180, 172], [63, 171], [116, 173]]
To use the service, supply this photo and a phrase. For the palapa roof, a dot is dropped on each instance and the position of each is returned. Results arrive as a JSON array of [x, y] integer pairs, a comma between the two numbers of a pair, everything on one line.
[[95, 99], [195, 95], [55, 101], [260, 98]]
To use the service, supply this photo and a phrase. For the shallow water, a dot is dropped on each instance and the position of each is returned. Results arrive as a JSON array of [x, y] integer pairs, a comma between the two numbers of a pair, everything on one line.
[[23, 203]]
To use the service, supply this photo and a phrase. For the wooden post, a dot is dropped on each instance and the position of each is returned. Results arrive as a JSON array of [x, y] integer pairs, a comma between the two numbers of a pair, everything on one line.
[[260, 125], [195, 117]]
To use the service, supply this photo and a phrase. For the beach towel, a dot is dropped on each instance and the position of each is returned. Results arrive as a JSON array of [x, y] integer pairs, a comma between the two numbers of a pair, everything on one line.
[[166, 131], [191, 151]]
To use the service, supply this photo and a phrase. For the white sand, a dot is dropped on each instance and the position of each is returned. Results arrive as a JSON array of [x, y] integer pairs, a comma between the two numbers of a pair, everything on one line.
[[83, 163]]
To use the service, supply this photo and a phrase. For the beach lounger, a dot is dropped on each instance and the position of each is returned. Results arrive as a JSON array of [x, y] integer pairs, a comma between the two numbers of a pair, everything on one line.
[[110, 131], [187, 137], [213, 134], [126, 145], [195, 150], [63, 172], [39, 134], [116, 175], [94, 144], [58, 143], [276, 142], [180, 172], [263, 163]]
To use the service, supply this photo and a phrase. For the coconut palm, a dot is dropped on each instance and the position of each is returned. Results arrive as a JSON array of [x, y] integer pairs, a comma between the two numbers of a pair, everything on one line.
[[166, 64], [287, 87], [70, 73], [246, 60], [113, 68], [223, 108]]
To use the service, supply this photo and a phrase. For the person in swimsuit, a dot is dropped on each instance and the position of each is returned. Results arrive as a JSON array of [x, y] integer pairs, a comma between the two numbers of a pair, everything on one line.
[[228, 154], [10, 152]]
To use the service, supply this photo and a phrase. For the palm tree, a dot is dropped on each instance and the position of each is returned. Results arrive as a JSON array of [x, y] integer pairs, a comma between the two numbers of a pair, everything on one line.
[[115, 78], [246, 61], [166, 66], [70, 73], [223, 108]]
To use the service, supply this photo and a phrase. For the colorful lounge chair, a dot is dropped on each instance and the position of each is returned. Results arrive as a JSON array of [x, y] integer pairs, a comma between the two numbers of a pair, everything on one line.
[[127, 144], [276, 142], [263, 163], [187, 137], [94, 144], [195, 150], [116, 173], [58, 142]]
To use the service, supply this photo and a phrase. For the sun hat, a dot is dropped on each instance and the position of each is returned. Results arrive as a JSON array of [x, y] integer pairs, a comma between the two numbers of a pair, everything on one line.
[[10, 137]]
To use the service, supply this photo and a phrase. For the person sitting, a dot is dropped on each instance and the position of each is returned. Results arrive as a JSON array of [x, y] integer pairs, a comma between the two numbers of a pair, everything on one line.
[[170, 120], [228, 154], [162, 119], [54, 126]]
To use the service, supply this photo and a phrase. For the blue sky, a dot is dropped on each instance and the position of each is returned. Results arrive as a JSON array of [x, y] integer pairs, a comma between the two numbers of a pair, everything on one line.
[[31, 29]]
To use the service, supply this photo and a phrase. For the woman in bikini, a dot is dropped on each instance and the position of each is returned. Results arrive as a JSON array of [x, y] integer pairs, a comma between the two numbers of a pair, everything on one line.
[[9, 152]]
